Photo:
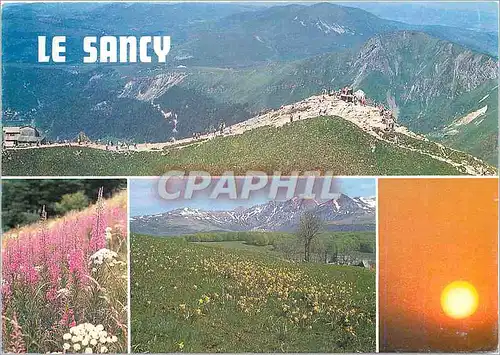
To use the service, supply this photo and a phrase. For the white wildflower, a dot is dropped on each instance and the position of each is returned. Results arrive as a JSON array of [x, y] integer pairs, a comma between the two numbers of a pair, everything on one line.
[[63, 292], [103, 255], [85, 336], [108, 233]]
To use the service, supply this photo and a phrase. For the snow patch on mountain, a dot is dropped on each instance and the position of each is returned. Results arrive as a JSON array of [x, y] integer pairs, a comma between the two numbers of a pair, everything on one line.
[[150, 88], [471, 116], [329, 28], [271, 216], [259, 39]]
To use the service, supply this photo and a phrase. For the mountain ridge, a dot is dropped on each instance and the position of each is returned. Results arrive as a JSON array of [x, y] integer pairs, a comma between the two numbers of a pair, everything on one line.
[[342, 213], [429, 83]]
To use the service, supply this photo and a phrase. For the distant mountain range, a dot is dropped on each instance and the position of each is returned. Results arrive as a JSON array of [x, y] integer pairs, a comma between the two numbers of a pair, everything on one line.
[[340, 214], [215, 34]]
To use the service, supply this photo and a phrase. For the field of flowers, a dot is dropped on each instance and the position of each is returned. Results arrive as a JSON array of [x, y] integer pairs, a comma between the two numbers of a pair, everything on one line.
[[64, 282], [194, 298]]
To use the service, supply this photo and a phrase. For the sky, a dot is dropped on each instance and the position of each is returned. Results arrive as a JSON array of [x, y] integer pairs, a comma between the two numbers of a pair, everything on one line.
[[145, 199], [433, 232]]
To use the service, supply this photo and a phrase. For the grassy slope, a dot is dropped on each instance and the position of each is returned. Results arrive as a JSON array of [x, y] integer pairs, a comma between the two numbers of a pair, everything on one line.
[[249, 294], [480, 139], [323, 143]]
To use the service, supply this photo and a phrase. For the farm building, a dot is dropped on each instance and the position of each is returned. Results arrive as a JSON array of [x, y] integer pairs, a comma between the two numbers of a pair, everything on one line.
[[21, 136]]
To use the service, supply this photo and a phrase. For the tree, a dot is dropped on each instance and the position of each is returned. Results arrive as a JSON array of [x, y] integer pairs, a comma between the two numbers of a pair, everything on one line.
[[309, 228]]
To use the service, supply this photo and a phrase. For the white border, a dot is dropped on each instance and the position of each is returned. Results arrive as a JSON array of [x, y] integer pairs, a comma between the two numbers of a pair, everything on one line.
[[128, 178], [377, 268], [129, 268]]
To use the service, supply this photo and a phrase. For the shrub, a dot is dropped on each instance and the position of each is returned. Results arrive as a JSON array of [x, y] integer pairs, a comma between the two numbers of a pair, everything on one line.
[[69, 202], [260, 239]]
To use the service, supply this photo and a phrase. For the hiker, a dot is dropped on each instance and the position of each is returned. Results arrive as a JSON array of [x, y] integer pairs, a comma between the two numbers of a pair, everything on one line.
[[381, 110], [291, 118]]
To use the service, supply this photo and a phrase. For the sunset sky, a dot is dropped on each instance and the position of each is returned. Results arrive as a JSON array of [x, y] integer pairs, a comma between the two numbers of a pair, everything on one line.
[[433, 232]]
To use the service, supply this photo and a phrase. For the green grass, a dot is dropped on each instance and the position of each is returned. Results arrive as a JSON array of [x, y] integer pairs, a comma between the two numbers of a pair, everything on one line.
[[361, 242], [323, 143], [240, 245], [480, 136], [250, 301]]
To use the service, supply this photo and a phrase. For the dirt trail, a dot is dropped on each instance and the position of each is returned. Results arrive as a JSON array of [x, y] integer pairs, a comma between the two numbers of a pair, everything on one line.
[[367, 118]]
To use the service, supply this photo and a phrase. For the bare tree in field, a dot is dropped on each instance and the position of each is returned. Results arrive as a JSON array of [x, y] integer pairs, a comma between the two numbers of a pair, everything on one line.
[[309, 228]]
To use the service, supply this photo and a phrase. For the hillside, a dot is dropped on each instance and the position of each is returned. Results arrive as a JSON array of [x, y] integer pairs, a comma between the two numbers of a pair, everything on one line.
[[321, 143], [230, 300], [46, 268], [429, 83]]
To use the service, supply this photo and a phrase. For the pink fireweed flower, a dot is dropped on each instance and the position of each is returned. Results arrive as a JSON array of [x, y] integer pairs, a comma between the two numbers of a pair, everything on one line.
[[68, 318], [76, 265]]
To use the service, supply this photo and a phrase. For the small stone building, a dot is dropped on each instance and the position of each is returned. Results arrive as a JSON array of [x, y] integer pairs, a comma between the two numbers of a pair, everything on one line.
[[24, 136]]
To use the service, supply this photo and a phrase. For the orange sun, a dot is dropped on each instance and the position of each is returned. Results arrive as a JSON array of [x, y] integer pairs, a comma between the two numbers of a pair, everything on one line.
[[459, 299]]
